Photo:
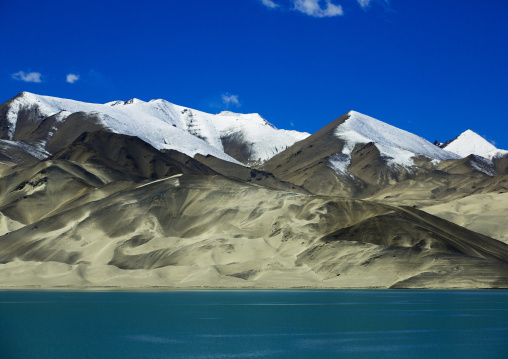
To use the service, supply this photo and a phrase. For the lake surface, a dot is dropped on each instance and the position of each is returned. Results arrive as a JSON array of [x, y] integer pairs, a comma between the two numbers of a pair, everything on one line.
[[254, 324]]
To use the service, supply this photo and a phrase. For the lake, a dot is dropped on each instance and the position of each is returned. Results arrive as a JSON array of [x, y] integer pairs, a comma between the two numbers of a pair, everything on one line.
[[255, 324]]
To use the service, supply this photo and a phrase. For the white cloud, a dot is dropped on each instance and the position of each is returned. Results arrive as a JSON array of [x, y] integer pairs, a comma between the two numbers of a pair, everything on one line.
[[364, 3], [270, 4], [228, 99], [71, 78], [27, 76], [313, 8]]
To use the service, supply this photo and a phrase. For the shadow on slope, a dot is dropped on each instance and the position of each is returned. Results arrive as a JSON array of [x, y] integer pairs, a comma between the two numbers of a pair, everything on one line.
[[194, 231]]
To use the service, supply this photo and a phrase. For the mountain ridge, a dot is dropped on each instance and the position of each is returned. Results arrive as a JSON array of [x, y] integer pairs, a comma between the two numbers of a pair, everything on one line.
[[249, 136], [158, 122]]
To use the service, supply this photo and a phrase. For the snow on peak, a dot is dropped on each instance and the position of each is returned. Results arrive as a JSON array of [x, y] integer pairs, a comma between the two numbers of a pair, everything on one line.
[[115, 103], [133, 100], [397, 145], [264, 139], [251, 117], [227, 113], [159, 124], [128, 102], [471, 143], [168, 126], [22, 101]]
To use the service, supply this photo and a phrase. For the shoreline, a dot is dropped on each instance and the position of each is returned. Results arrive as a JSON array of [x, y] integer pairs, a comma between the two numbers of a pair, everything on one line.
[[228, 289]]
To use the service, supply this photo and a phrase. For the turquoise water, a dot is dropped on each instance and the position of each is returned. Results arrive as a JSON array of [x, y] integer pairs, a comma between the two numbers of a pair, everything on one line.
[[254, 324]]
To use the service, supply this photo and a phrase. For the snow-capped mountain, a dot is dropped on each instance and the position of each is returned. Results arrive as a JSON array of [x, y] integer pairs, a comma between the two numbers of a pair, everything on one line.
[[88, 200], [399, 147], [471, 143], [48, 124], [36, 119], [354, 155]]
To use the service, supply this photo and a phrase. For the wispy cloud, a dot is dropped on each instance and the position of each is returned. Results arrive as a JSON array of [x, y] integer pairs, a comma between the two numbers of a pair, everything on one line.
[[367, 3], [228, 99], [364, 3], [270, 4], [71, 78], [313, 8], [27, 76], [323, 8]]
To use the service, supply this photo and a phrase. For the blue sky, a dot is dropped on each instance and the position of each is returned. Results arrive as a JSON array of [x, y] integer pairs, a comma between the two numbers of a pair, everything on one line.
[[435, 68]]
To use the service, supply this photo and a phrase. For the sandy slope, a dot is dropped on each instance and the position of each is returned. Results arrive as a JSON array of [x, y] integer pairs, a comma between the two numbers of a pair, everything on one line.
[[196, 231], [482, 213]]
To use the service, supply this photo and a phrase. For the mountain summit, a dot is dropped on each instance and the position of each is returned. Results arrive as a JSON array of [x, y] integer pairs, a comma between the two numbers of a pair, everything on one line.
[[354, 155], [399, 147], [471, 143]]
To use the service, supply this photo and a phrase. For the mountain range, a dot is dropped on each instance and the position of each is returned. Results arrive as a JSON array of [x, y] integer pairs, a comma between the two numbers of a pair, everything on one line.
[[134, 194]]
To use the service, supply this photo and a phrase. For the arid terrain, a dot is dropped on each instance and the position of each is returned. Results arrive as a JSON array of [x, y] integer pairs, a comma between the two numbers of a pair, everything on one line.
[[359, 204]]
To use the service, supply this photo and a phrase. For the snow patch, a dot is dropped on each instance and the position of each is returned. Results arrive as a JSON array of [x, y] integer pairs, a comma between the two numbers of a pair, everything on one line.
[[340, 162], [12, 146], [483, 165]]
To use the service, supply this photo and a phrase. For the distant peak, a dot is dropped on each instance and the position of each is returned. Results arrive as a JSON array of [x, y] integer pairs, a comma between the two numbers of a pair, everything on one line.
[[469, 132], [468, 135], [26, 94], [133, 100], [128, 102], [227, 113], [231, 113], [355, 115], [465, 136], [469, 142]]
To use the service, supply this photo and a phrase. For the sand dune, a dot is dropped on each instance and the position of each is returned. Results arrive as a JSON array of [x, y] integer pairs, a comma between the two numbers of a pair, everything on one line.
[[196, 231], [482, 213]]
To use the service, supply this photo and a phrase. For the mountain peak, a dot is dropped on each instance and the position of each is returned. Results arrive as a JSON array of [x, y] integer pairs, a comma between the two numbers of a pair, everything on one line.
[[25, 95], [471, 143], [128, 102], [469, 132], [398, 145], [251, 117], [133, 100], [231, 113], [227, 113]]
